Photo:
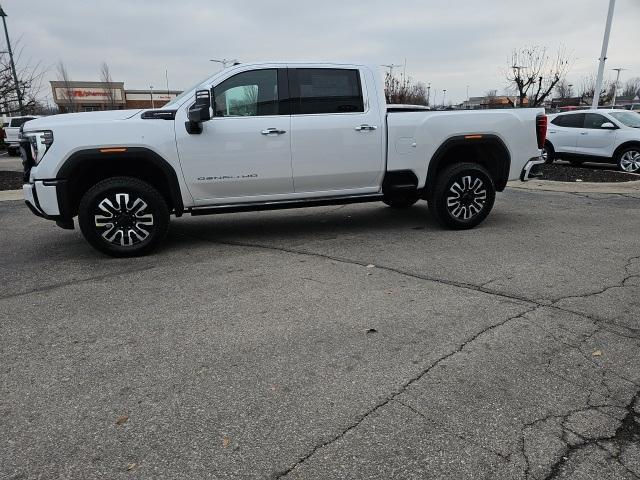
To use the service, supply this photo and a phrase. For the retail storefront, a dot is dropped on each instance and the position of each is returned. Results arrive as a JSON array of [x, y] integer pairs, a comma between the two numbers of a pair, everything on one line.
[[90, 96]]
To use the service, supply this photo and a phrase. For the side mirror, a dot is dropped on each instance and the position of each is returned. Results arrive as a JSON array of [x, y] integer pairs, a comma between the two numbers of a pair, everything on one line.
[[199, 112], [608, 126]]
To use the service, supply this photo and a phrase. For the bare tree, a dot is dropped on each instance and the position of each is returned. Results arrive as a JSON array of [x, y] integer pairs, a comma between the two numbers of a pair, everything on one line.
[[29, 84], [404, 91], [631, 88], [534, 73], [67, 88], [109, 91], [587, 87], [564, 90]]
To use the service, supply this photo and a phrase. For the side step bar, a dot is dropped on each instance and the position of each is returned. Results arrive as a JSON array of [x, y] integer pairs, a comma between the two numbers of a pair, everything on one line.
[[284, 204]]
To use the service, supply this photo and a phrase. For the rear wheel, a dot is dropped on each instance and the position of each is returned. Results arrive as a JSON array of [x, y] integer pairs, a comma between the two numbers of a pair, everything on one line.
[[463, 196], [629, 160], [123, 217], [401, 201]]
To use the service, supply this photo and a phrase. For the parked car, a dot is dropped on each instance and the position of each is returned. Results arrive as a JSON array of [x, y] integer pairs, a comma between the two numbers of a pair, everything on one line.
[[266, 136], [11, 133], [605, 136]]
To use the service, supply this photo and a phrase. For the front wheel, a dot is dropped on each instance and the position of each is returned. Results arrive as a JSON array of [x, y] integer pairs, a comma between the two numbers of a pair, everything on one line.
[[123, 217], [463, 196], [629, 160]]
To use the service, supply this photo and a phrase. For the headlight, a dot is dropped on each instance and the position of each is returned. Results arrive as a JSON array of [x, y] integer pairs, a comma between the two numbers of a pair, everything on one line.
[[39, 143]]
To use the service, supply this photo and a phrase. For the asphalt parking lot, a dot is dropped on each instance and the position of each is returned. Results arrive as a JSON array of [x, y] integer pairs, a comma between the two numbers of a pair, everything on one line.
[[328, 343]]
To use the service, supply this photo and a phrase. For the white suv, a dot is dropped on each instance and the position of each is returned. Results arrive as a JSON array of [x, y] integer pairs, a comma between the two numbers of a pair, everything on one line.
[[608, 136]]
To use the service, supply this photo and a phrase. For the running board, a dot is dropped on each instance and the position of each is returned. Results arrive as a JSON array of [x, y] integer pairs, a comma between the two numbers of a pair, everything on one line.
[[284, 204]]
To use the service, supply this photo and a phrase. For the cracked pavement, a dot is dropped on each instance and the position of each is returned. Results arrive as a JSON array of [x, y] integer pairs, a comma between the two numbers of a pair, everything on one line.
[[263, 345]]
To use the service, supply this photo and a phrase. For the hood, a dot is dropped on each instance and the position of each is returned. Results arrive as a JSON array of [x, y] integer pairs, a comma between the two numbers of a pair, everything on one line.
[[64, 119]]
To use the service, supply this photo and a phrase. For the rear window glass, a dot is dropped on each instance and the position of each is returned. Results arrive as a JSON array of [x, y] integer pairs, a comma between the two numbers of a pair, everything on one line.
[[327, 90], [18, 122], [571, 120]]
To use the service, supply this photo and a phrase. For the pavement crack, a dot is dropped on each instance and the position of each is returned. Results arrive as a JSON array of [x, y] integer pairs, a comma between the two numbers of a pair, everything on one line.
[[68, 283], [421, 374]]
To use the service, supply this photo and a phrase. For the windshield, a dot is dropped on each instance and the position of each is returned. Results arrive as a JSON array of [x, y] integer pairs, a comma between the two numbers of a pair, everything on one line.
[[176, 101], [628, 118]]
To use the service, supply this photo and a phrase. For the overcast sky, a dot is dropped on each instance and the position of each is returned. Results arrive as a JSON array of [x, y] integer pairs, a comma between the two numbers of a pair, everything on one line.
[[450, 43]]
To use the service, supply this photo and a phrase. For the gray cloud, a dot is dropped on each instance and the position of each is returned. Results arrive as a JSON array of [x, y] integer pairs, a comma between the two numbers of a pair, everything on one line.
[[450, 43]]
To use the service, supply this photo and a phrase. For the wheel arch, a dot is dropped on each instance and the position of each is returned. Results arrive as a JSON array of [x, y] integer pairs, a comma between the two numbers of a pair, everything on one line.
[[623, 146], [486, 150], [85, 168]]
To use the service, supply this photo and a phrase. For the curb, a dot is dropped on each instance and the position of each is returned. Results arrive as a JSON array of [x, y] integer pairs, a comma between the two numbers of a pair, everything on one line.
[[621, 188], [10, 195]]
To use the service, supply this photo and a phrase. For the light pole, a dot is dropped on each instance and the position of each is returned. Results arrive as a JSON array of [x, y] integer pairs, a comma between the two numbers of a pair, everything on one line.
[[467, 93], [391, 66], [603, 55], [151, 91], [444, 94], [429, 94], [615, 87], [13, 65]]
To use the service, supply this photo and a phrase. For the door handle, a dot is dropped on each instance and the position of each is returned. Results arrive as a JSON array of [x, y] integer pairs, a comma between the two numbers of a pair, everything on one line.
[[553, 131], [366, 128], [273, 131], [584, 133]]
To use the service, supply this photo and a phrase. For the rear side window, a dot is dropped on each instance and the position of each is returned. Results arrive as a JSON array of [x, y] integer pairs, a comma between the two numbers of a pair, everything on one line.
[[572, 120], [326, 90], [18, 122]]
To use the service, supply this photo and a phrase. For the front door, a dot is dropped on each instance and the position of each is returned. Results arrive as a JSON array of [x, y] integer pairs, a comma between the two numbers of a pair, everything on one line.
[[244, 150], [595, 140]]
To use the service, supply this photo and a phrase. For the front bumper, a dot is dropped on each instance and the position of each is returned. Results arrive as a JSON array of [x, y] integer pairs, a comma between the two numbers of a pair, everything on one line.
[[526, 171], [43, 199]]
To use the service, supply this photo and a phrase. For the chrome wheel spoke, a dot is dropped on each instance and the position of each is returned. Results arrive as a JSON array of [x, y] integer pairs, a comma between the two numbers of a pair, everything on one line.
[[467, 197], [123, 222]]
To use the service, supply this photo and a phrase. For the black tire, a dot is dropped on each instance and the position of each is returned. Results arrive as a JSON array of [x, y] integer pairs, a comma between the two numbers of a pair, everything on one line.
[[576, 163], [401, 201], [108, 216], [548, 153], [628, 159], [473, 188]]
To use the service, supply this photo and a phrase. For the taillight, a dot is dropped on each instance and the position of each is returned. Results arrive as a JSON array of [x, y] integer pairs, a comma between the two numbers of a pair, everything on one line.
[[541, 130]]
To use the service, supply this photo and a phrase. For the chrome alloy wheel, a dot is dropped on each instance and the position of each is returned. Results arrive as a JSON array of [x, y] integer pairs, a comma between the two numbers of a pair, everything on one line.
[[630, 161], [466, 197], [123, 222], [545, 154]]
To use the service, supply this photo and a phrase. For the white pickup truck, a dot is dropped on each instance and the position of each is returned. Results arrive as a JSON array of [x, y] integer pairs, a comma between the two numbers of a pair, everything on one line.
[[267, 136]]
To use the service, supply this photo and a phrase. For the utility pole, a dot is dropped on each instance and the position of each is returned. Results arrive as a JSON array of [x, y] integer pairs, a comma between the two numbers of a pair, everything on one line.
[[603, 55], [13, 66], [615, 87]]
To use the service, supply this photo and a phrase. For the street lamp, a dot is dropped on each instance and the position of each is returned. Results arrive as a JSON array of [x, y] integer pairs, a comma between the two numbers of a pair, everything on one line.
[[518, 68], [391, 66], [224, 62], [13, 65], [603, 55], [615, 87], [151, 91], [444, 94]]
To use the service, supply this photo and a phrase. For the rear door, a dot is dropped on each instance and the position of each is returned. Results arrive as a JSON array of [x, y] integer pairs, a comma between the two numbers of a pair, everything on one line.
[[595, 140], [337, 130], [563, 132]]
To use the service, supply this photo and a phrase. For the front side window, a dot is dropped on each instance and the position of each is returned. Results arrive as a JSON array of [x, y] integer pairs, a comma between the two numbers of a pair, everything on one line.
[[326, 90], [248, 94], [595, 120]]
